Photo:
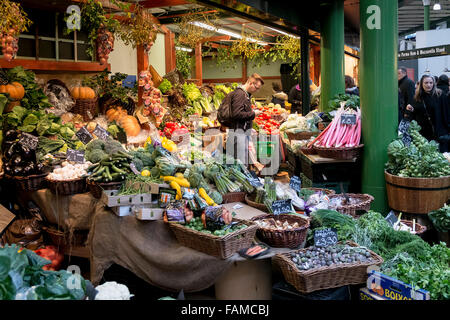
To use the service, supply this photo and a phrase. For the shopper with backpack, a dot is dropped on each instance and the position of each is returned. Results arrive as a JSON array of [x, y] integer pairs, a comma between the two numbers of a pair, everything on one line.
[[237, 115]]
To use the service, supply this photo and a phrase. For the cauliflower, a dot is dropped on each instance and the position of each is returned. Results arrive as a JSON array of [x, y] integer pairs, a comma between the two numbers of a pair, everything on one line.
[[112, 290]]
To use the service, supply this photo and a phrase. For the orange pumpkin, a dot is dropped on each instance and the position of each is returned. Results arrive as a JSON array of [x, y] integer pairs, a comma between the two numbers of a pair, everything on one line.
[[131, 125], [14, 89], [115, 114], [83, 93]]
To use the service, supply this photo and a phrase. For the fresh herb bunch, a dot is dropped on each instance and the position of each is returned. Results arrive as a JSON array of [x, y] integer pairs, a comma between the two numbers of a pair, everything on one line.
[[441, 218], [108, 85], [421, 159], [351, 101]]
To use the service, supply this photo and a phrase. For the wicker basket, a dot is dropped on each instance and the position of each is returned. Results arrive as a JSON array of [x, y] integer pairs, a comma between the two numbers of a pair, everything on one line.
[[306, 150], [219, 247], [63, 239], [364, 204], [420, 229], [67, 187], [87, 108], [96, 188], [29, 183], [283, 238], [328, 192], [306, 281], [250, 200], [339, 153], [302, 135], [233, 197]]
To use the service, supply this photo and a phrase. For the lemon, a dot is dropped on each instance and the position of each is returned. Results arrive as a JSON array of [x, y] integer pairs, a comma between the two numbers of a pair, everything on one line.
[[145, 173]]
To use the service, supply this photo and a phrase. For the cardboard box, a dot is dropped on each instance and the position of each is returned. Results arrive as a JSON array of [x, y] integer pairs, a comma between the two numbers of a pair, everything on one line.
[[123, 211], [393, 289], [111, 199], [152, 187], [365, 294], [149, 213], [6, 217]]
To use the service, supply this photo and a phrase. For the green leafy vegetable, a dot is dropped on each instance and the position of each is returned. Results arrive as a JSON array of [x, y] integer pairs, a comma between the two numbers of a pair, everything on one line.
[[441, 218]]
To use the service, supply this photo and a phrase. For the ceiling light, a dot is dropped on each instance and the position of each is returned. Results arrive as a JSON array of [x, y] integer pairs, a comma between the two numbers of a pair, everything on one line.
[[226, 32], [285, 33], [437, 6], [183, 49]]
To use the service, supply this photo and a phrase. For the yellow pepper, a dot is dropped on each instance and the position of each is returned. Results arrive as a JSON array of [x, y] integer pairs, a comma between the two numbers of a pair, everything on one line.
[[204, 195], [179, 175], [177, 187]]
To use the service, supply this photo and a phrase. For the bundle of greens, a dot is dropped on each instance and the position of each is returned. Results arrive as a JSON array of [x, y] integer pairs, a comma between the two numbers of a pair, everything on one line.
[[322, 219], [421, 159], [22, 278], [191, 93], [441, 218], [351, 101], [165, 86]]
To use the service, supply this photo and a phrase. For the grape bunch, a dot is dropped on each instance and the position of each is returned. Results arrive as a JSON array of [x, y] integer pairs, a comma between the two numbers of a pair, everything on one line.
[[105, 44], [10, 44]]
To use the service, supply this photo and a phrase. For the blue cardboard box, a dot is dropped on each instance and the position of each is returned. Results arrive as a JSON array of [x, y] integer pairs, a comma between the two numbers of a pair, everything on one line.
[[365, 294], [393, 289], [129, 81]]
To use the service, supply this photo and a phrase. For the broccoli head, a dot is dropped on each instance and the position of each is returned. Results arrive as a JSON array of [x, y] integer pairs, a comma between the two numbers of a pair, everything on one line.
[[138, 164], [144, 156], [96, 144], [113, 146], [95, 156]]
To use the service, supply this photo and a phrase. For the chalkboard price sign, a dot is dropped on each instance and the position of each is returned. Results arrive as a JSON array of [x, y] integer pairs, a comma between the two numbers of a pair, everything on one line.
[[75, 155], [325, 237], [348, 119], [84, 135], [29, 141], [403, 126], [254, 180], [282, 206], [101, 133], [295, 183], [391, 218]]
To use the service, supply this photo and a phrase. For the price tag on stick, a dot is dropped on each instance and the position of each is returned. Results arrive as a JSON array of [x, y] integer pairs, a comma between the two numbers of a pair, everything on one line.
[[295, 183], [348, 119], [101, 133], [84, 135], [75, 155], [325, 237], [282, 206], [391, 218]]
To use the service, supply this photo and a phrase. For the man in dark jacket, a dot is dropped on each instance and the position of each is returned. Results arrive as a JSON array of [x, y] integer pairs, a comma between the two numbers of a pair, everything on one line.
[[407, 90], [243, 115]]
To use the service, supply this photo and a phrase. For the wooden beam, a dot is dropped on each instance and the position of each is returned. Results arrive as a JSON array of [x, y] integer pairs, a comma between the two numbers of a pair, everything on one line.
[[142, 65], [198, 63], [238, 80], [54, 65], [162, 3], [169, 43], [244, 70], [215, 38]]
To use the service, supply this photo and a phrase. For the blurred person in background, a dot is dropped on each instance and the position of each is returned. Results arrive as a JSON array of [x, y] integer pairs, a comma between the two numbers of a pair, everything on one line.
[[350, 87]]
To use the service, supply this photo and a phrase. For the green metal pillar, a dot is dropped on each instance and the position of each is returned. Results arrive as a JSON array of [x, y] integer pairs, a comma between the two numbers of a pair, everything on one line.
[[378, 93], [331, 52], [304, 70], [426, 17]]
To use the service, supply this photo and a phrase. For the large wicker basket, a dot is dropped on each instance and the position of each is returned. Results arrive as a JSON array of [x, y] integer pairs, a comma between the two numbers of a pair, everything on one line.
[[420, 229], [328, 192], [219, 247], [67, 187], [306, 281], [302, 135], [63, 239], [87, 108], [233, 197], [283, 238], [96, 188], [350, 209], [250, 200], [29, 183], [339, 153]]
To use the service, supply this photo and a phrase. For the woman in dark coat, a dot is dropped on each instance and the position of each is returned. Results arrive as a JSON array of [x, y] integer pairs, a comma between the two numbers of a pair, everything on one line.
[[430, 110]]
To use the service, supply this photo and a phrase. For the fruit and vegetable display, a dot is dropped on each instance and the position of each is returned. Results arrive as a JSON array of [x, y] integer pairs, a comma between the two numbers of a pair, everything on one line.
[[296, 123], [112, 168], [406, 256], [320, 257], [24, 277], [197, 224], [276, 224], [421, 159], [339, 135]]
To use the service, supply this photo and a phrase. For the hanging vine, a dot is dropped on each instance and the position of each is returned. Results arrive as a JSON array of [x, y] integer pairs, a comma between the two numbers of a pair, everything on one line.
[[184, 63], [190, 34], [140, 29], [13, 22]]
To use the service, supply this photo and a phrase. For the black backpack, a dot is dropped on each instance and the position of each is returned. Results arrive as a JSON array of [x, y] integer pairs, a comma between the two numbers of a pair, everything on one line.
[[224, 114]]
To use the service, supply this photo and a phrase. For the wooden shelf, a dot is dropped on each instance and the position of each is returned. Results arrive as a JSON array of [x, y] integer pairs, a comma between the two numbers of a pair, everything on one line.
[[46, 65]]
